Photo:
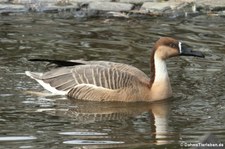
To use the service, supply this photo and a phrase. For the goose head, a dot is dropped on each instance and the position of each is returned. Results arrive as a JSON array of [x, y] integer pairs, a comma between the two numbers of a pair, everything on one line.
[[167, 47], [163, 49]]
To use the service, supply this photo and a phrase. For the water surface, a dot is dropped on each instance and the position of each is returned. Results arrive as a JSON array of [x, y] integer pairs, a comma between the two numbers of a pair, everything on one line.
[[30, 121]]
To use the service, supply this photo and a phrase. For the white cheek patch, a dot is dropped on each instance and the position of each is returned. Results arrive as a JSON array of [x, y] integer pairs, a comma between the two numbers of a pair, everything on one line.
[[179, 45]]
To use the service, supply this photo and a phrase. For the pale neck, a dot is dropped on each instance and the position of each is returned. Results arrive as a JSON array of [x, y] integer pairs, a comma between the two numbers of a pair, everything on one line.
[[161, 73], [159, 80]]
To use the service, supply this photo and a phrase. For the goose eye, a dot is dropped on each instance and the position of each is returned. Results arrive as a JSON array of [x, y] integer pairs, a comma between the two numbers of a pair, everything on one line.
[[172, 45]]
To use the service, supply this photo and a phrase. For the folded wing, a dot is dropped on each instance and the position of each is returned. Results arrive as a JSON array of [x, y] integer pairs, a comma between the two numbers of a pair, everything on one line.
[[83, 80]]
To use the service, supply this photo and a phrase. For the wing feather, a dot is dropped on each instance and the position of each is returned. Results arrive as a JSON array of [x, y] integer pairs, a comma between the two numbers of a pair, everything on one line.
[[107, 75], [92, 92]]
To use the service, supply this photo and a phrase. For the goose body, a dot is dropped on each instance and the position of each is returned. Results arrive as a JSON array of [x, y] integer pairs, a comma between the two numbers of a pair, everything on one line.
[[110, 81]]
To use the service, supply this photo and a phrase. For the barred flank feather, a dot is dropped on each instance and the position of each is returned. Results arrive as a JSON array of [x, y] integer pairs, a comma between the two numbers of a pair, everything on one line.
[[88, 81]]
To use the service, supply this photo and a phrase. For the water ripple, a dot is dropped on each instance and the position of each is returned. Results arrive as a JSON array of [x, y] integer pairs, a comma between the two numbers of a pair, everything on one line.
[[91, 142], [17, 138], [83, 133]]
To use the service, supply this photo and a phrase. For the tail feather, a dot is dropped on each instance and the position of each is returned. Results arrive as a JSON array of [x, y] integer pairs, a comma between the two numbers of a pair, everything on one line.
[[37, 76], [60, 63], [34, 75]]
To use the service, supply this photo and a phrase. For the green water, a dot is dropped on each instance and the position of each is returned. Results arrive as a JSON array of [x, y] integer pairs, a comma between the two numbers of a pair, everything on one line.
[[29, 121]]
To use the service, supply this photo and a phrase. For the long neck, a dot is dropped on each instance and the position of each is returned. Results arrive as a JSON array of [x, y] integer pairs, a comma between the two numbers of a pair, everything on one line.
[[159, 80], [158, 69], [161, 73]]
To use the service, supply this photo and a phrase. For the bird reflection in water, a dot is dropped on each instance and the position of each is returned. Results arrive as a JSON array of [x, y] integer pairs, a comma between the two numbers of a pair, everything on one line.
[[141, 117]]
